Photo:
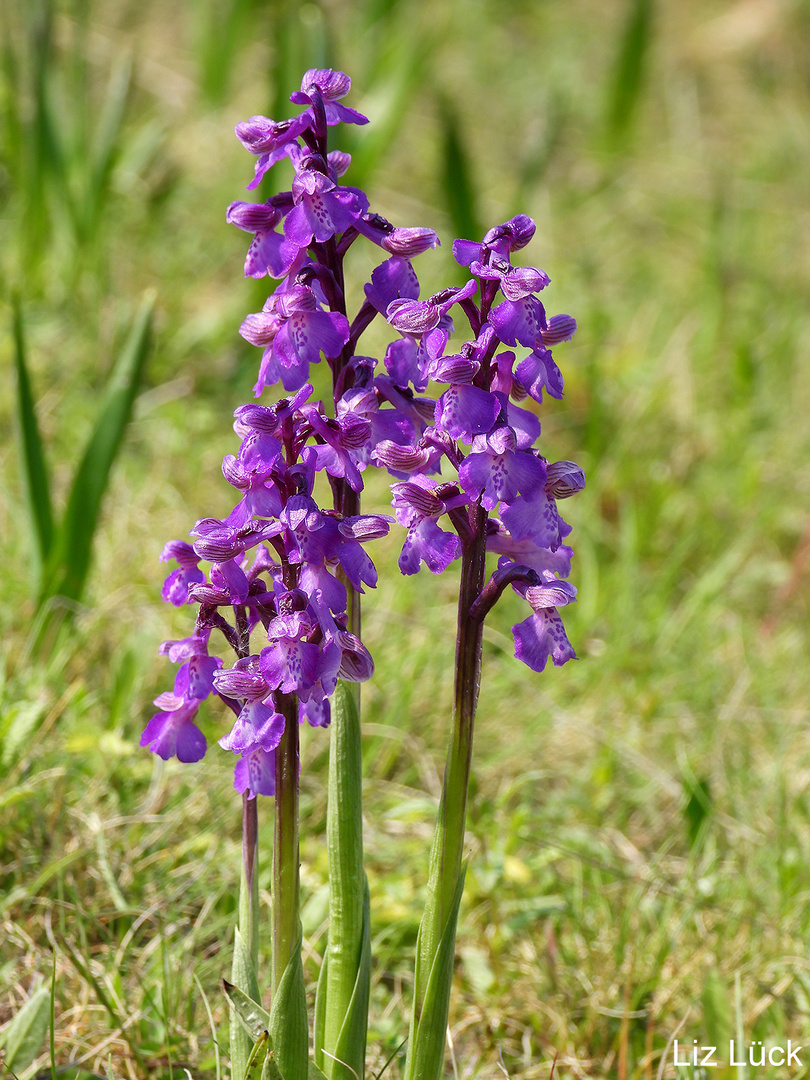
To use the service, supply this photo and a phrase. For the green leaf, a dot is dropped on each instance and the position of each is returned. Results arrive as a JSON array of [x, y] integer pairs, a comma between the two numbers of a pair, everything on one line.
[[426, 1051], [244, 977], [52, 1017], [270, 1069], [70, 556], [350, 1049], [106, 144], [343, 998], [258, 1056], [315, 1073], [288, 1020], [28, 1030], [628, 74], [319, 1019], [211, 1024], [718, 1019], [457, 175], [35, 471], [255, 1019]]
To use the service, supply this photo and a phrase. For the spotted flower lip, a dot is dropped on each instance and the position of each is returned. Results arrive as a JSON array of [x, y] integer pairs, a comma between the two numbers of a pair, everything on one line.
[[321, 209], [176, 586], [294, 333]]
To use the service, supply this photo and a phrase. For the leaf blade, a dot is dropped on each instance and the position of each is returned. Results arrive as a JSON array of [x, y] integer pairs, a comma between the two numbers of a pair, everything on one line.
[[71, 554], [35, 470], [28, 1030]]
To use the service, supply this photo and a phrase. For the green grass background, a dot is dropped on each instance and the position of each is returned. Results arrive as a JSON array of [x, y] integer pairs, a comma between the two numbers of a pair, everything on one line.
[[640, 826]]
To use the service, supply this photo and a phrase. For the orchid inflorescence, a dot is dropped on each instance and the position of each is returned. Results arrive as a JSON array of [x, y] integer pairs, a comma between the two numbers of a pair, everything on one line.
[[467, 480], [273, 559]]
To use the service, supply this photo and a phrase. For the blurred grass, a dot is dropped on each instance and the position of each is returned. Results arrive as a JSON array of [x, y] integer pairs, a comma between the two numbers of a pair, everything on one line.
[[640, 827]]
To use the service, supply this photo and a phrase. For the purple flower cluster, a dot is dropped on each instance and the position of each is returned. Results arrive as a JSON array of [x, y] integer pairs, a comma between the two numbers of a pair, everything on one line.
[[501, 470], [280, 562], [272, 564]]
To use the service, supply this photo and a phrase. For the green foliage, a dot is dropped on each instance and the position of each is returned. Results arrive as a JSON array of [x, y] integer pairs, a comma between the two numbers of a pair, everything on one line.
[[254, 1018], [459, 184], [289, 1028], [25, 1036], [69, 560], [626, 91], [343, 986], [65, 551], [35, 472], [427, 1039]]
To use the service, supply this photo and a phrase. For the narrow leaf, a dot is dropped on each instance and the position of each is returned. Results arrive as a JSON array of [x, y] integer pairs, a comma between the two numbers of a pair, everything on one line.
[[628, 75], [348, 920], [52, 1018], [106, 145], [254, 1018], [211, 1024], [35, 470], [319, 1019], [350, 1049], [28, 1030], [315, 1073], [243, 975], [257, 1058], [270, 1069], [288, 1021], [458, 181], [426, 1052], [70, 560]]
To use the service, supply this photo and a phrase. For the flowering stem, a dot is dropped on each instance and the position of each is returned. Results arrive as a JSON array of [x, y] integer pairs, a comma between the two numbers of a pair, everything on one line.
[[288, 1013], [249, 888], [441, 908], [285, 843], [347, 979]]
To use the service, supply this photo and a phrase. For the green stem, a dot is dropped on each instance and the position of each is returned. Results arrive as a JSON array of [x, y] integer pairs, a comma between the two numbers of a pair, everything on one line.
[[246, 947], [448, 839], [249, 886], [288, 1024], [285, 843]]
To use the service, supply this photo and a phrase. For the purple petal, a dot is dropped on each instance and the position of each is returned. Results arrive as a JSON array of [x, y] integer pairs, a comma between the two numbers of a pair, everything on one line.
[[540, 636]]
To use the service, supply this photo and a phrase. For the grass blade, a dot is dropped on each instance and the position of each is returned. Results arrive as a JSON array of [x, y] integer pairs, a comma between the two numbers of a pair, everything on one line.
[[459, 190], [211, 1024], [72, 552], [35, 470], [629, 72], [106, 145]]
